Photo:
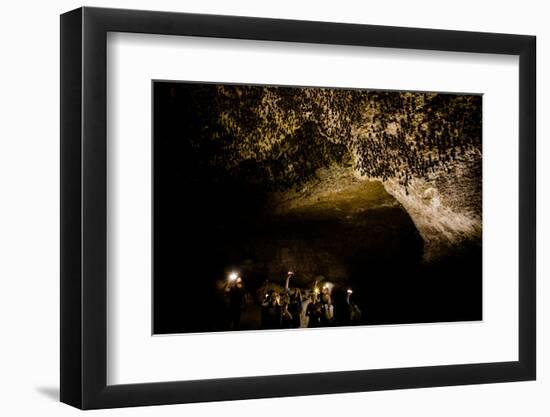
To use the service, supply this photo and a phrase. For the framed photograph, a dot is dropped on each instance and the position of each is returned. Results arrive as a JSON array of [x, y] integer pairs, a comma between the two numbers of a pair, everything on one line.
[[257, 208]]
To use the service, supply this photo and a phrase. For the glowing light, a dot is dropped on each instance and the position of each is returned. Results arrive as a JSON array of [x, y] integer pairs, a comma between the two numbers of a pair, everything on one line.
[[233, 276], [350, 291]]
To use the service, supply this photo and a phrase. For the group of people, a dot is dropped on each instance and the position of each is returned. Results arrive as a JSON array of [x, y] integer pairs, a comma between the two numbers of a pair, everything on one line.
[[293, 307]]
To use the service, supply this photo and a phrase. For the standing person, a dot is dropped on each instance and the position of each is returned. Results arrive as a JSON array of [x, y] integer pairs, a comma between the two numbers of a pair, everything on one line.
[[355, 314], [296, 308], [354, 311], [272, 311], [295, 305], [327, 310], [236, 293], [286, 316], [313, 310]]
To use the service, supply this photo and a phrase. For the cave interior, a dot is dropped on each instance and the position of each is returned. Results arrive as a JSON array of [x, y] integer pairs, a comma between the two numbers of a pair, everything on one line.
[[218, 207]]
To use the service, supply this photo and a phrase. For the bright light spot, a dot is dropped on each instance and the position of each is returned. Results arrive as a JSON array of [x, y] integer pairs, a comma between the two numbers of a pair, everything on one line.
[[233, 276]]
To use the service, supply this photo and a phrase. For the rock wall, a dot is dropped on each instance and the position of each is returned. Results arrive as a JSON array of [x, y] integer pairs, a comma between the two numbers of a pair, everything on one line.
[[445, 208]]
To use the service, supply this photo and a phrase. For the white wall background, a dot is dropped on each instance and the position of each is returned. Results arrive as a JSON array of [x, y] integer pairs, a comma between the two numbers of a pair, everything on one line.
[[29, 207]]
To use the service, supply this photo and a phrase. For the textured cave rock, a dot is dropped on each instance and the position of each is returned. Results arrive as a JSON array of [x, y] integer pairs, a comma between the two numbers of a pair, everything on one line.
[[446, 209], [343, 221], [338, 155]]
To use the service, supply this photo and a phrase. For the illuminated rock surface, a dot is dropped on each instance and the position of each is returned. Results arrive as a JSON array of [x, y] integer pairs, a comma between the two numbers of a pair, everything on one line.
[[446, 209]]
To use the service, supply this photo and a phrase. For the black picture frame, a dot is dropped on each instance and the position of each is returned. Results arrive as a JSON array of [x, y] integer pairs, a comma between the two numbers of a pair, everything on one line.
[[84, 209]]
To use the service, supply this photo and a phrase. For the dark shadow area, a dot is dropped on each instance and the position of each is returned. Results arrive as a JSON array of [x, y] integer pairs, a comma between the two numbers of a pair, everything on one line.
[[50, 392]]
